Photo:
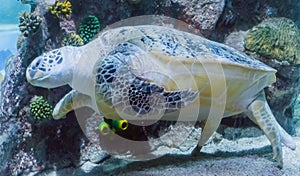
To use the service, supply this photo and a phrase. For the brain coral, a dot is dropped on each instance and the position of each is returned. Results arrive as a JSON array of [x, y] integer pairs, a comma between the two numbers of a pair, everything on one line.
[[72, 40], [275, 38], [89, 28], [40, 108], [29, 23]]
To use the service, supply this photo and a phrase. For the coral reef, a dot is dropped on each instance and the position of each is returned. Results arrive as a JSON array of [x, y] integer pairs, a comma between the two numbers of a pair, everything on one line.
[[61, 9], [60, 147], [72, 40], [29, 23], [275, 38], [89, 28], [40, 108]]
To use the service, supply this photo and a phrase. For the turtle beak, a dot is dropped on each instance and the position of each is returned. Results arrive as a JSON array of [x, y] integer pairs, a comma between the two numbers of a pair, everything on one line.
[[33, 74]]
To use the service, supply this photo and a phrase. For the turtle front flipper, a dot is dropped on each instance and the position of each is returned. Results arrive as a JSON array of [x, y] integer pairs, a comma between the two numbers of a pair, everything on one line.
[[69, 102], [139, 99], [260, 113]]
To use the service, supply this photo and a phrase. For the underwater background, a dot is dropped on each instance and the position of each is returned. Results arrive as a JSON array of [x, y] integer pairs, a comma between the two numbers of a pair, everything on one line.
[[9, 30], [33, 143]]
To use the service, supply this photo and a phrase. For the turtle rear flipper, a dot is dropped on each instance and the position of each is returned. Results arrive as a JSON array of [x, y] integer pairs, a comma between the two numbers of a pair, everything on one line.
[[260, 113]]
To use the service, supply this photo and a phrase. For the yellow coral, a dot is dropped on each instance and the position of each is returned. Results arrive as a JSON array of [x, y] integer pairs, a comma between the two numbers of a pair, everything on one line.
[[72, 40], [61, 9], [275, 38]]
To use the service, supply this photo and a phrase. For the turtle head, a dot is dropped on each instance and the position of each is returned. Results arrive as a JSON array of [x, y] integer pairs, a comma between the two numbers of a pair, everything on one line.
[[52, 69]]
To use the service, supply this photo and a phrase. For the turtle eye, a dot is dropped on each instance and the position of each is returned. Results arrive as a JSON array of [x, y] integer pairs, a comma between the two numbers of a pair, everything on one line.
[[37, 63]]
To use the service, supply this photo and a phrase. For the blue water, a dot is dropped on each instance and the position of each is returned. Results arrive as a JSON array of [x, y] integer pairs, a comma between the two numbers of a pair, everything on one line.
[[9, 31], [10, 10]]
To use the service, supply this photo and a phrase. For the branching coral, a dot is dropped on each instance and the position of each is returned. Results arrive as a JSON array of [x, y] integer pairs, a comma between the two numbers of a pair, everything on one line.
[[40, 108], [61, 9], [275, 38], [29, 23], [89, 28], [72, 40]]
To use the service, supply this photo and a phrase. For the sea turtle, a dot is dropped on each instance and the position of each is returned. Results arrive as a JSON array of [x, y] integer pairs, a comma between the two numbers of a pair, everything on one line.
[[146, 70]]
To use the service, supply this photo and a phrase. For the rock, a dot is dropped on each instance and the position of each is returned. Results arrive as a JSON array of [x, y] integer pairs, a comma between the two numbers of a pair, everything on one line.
[[11, 128], [236, 40], [202, 15]]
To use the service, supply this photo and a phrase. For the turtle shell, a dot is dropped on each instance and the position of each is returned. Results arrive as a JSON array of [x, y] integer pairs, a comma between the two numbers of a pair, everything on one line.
[[177, 60]]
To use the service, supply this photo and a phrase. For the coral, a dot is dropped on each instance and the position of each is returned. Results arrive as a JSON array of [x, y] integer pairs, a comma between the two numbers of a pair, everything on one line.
[[72, 40], [29, 23], [40, 108], [61, 9], [275, 38], [89, 28]]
